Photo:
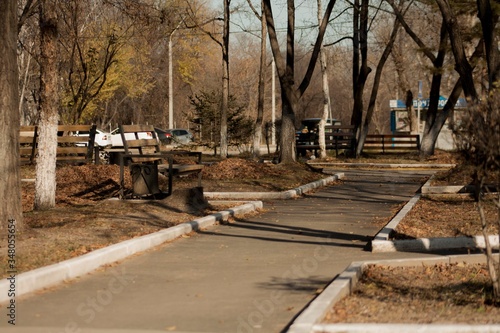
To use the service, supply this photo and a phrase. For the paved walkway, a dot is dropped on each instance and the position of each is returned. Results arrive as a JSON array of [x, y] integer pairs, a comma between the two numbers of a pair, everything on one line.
[[253, 275]]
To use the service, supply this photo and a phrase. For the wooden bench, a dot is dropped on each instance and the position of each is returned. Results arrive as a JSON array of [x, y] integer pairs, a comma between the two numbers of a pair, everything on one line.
[[337, 138], [71, 149], [146, 160], [395, 143]]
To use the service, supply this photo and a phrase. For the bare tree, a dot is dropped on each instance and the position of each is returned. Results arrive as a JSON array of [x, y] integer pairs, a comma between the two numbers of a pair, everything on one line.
[[225, 80], [375, 87], [290, 93], [479, 140], [45, 184], [224, 45], [10, 183], [89, 59], [479, 133], [435, 120]]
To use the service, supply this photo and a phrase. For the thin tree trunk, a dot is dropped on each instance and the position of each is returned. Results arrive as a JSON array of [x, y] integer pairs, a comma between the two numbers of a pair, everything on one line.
[[45, 184], [326, 94], [10, 185], [489, 19], [360, 62], [489, 252], [262, 85], [225, 82]]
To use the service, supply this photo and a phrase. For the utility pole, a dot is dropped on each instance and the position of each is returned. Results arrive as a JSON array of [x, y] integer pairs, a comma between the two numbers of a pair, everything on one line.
[[170, 79], [273, 101]]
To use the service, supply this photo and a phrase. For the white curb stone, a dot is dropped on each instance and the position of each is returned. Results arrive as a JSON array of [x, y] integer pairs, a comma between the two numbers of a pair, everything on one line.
[[284, 195]]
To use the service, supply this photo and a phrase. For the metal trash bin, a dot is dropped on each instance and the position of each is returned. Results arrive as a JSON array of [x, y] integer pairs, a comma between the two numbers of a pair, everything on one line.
[[144, 179]]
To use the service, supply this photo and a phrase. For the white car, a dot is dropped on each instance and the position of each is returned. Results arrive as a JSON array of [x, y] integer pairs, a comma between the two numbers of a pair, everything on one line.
[[116, 137], [102, 139]]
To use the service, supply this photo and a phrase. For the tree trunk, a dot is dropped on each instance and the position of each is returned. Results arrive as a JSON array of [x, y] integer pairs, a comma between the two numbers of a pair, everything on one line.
[[225, 82], [45, 184], [326, 94], [489, 19], [287, 151], [10, 185], [262, 85], [360, 62], [433, 121], [433, 127], [462, 65]]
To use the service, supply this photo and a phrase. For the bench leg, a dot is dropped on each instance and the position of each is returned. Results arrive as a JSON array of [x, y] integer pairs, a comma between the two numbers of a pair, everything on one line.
[[122, 178], [170, 174], [199, 178]]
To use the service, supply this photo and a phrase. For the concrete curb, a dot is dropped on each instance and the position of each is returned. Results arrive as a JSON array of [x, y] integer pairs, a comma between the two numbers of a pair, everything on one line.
[[460, 190], [69, 269], [284, 195], [310, 319], [432, 244], [385, 233], [381, 242], [385, 165]]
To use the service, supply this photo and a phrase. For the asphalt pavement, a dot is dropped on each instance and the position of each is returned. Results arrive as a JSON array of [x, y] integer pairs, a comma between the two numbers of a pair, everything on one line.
[[249, 275]]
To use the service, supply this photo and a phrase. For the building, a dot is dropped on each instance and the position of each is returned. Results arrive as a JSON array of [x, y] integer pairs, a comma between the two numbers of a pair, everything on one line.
[[400, 122]]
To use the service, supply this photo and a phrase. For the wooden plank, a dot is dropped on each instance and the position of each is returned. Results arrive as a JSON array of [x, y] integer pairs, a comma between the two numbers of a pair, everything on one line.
[[183, 168], [140, 159], [26, 140], [72, 150], [141, 143], [72, 139], [137, 128], [74, 128]]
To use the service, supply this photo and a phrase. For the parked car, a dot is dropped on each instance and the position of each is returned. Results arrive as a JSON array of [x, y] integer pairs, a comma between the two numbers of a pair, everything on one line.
[[180, 136], [164, 136], [116, 137], [102, 139]]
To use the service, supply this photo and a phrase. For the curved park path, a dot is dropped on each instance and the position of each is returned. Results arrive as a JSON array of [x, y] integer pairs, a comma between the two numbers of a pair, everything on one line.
[[252, 275]]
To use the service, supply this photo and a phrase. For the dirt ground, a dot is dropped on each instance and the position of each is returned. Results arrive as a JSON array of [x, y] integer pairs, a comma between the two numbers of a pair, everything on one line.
[[88, 217], [438, 294]]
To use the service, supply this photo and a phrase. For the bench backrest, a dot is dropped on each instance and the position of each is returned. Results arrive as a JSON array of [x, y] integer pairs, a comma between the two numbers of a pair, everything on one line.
[[140, 140], [70, 148], [339, 134], [396, 142]]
